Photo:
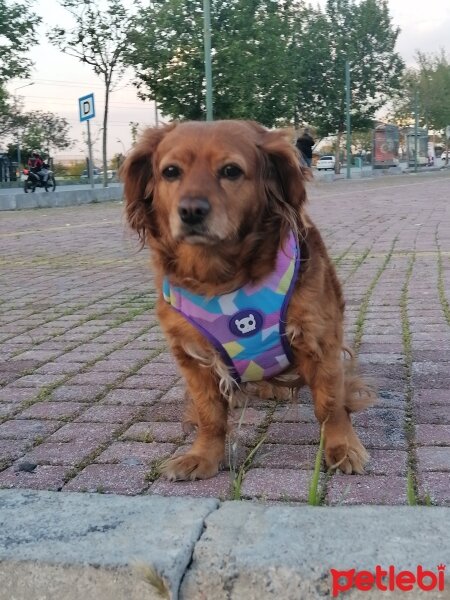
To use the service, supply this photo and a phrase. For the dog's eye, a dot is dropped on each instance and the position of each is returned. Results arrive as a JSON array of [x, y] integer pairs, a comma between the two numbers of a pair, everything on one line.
[[230, 172], [171, 172]]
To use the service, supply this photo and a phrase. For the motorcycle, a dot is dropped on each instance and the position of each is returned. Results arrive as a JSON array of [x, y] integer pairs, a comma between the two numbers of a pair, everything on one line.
[[33, 180]]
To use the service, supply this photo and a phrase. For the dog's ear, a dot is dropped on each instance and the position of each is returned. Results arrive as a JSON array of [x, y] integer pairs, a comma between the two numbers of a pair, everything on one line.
[[284, 176], [137, 175]]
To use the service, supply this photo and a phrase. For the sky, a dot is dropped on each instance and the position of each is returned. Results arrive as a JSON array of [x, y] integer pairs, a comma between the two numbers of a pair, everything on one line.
[[59, 80]]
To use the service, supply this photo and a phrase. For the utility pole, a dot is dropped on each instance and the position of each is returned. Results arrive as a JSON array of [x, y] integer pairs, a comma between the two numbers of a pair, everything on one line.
[[208, 69], [416, 128], [347, 111]]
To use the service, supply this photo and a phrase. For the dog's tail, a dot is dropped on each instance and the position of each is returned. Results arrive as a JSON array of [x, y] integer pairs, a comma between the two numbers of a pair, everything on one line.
[[359, 391]]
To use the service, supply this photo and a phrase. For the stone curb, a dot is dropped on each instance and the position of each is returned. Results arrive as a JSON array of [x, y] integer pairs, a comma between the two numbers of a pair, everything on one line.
[[66, 546], [53, 199]]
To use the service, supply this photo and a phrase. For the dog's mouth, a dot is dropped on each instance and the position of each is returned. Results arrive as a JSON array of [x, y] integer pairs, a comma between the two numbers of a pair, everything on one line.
[[196, 234]]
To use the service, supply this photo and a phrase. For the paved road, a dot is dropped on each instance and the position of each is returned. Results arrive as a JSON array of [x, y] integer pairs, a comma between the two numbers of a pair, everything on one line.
[[90, 397]]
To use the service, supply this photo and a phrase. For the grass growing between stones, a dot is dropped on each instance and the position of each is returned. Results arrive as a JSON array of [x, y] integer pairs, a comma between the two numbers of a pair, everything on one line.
[[357, 263], [151, 576], [411, 489], [238, 477], [314, 494], [366, 299]]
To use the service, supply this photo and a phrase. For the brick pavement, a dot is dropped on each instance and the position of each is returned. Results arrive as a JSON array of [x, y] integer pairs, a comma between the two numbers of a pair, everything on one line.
[[90, 399]]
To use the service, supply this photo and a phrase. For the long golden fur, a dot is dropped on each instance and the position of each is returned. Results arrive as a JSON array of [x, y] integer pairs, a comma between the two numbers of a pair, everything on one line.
[[252, 185]]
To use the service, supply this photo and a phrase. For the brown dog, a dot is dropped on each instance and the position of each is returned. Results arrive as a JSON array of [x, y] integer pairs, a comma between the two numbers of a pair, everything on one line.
[[216, 203]]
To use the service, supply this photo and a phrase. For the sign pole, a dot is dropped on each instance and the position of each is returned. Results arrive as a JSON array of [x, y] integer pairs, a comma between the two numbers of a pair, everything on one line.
[[91, 172], [87, 112]]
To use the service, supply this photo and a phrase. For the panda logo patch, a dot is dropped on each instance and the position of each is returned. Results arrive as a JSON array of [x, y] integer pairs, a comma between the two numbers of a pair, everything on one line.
[[246, 323]]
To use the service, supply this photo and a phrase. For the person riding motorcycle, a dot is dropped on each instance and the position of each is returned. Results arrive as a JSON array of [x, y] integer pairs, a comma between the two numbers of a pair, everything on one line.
[[37, 166]]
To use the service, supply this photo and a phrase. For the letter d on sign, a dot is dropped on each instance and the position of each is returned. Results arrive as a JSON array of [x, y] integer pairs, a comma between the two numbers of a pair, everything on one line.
[[337, 586], [86, 107]]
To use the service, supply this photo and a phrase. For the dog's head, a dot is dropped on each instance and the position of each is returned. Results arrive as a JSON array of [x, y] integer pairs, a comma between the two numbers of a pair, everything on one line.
[[211, 183]]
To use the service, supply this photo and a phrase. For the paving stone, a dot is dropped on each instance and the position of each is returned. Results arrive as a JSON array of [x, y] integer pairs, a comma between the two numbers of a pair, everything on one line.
[[434, 487], [38, 380], [94, 379], [76, 393], [27, 429], [293, 433], [7, 410], [165, 412], [433, 435], [136, 453], [387, 462], [112, 366], [431, 396], [158, 432], [286, 456], [110, 479], [12, 449], [158, 382], [384, 438], [216, 487], [129, 397], [61, 453], [51, 410], [379, 417], [175, 394], [85, 432], [432, 413], [298, 414], [277, 484], [157, 368], [105, 413], [59, 368], [44, 477], [367, 489], [17, 395], [436, 458]]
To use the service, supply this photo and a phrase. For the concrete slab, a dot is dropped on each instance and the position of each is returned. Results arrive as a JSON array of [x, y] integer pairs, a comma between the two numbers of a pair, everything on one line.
[[40, 199], [70, 546], [286, 552]]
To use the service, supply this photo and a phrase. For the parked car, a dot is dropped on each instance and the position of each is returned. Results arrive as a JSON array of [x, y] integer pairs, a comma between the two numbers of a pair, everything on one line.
[[444, 158], [326, 162], [111, 174], [96, 173]]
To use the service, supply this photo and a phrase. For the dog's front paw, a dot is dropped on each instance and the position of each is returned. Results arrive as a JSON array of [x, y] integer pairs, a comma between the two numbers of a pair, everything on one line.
[[189, 466], [346, 454]]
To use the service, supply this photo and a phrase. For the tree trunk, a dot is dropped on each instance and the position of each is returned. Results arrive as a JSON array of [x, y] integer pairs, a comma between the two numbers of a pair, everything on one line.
[[105, 131]]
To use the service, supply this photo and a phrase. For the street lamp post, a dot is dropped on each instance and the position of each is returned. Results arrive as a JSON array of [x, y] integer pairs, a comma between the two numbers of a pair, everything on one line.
[[18, 133], [348, 120]]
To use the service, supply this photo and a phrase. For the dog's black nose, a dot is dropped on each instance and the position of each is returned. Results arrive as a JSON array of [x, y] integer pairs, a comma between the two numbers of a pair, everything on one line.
[[193, 211]]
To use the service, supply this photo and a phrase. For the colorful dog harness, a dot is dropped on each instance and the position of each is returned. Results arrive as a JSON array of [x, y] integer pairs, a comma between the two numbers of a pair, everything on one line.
[[246, 326]]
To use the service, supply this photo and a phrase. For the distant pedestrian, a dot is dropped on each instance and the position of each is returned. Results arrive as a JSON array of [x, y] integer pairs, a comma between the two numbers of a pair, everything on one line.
[[304, 145]]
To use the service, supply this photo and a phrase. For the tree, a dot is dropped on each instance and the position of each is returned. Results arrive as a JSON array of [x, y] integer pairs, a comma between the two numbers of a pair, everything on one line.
[[18, 24], [44, 131], [250, 58], [11, 115], [431, 81], [99, 39], [362, 34]]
